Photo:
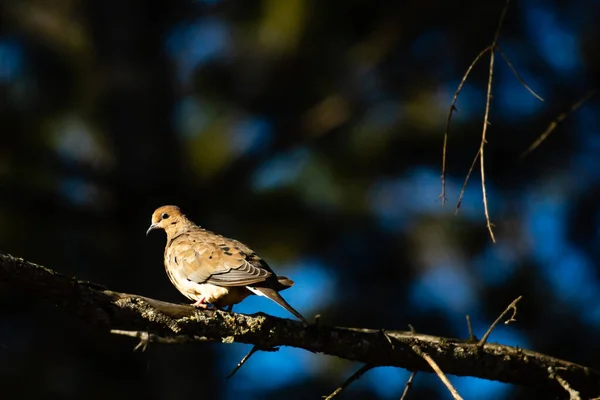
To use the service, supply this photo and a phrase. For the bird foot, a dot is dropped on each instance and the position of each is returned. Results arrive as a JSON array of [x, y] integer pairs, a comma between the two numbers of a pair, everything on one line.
[[201, 303]]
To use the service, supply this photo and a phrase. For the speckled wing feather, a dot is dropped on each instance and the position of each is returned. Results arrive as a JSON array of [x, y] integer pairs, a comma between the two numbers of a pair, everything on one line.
[[208, 258]]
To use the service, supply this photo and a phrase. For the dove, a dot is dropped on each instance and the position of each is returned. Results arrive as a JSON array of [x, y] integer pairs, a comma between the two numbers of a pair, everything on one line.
[[211, 269]]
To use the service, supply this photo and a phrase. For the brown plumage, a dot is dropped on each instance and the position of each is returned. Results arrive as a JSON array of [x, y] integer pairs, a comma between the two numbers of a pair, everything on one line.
[[209, 268]]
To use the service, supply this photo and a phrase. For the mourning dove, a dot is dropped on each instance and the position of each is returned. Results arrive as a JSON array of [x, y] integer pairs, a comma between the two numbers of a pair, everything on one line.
[[209, 268]]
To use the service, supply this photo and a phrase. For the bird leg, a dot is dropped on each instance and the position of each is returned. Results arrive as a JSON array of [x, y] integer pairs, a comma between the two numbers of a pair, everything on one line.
[[201, 303]]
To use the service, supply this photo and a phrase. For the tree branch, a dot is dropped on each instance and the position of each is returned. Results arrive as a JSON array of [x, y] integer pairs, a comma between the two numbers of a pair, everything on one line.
[[108, 310]]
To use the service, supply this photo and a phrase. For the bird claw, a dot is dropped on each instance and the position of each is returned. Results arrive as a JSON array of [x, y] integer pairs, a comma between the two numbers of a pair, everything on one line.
[[201, 303]]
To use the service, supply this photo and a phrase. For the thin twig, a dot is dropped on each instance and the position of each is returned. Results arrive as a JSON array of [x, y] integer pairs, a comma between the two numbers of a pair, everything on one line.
[[437, 370], [573, 394], [408, 385], [242, 361], [486, 122], [450, 112], [512, 306], [500, 23], [147, 338], [534, 94], [387, 337], [348, 381], [247, 356], [471, 336], [464, 186], [557, 121]]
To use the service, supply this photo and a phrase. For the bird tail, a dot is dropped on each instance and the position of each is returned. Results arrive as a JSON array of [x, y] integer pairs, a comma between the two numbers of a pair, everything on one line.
[[276, 297]]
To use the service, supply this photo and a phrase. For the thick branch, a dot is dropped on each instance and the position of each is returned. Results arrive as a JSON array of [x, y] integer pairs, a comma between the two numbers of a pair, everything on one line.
[[108, 310]]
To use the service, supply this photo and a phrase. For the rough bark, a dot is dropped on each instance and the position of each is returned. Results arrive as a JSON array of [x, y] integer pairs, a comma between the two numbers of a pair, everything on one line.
[[177, 323]]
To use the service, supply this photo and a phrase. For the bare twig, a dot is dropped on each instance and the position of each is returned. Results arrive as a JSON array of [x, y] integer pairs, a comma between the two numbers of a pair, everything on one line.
[[557, 121], [246, 357], [530, 90], [511, 306], [348, 381], [242, 361], [450, 112], [500, 23], [471, 336], [464, 187], [408, 385], [437, 370], [388, 338], [486, 122], [573, 394], [147, 338]]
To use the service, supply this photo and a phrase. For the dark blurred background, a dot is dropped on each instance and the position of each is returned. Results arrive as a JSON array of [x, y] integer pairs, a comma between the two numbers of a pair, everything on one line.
[[312, 131]]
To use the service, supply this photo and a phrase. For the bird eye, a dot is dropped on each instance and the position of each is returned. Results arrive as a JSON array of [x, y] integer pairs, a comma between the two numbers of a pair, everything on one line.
[[164, 216]]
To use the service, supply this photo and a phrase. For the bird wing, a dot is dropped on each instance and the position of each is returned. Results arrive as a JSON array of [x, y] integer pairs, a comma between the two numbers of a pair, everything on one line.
[[205, 257]]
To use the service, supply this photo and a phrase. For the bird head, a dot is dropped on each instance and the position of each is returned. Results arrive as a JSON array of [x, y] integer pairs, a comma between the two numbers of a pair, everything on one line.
[[169, 218]]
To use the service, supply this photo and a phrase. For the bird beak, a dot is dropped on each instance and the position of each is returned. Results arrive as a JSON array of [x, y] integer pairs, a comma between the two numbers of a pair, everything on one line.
[[152, 227]]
